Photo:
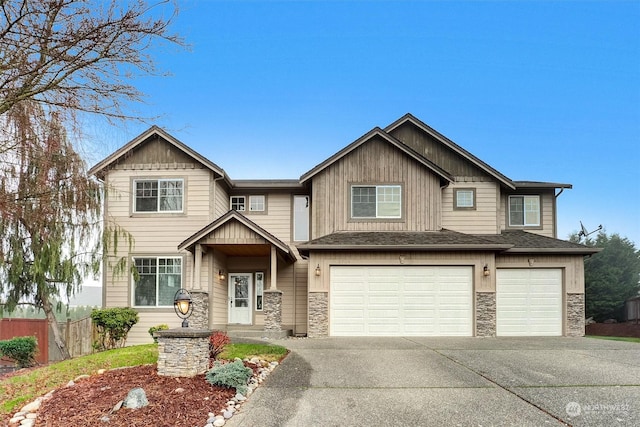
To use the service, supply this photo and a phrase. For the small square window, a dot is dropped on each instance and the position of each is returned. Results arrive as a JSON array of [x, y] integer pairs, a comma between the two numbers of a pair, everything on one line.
[[238, 203], [464, 198], [256, 203]]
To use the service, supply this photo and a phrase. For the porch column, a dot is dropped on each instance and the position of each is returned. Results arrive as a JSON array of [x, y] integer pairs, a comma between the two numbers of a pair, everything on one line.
[[197, 254], [272, 305]]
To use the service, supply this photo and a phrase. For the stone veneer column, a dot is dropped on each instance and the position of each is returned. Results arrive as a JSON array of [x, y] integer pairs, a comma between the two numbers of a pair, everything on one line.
[[272, 310], [199, 319], [183, 352], [318, 314], [575, 315], [485, 314]]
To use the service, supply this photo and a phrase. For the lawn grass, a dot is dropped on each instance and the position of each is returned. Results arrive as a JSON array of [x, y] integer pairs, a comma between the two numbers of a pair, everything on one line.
[[17, 390], [601, 337]]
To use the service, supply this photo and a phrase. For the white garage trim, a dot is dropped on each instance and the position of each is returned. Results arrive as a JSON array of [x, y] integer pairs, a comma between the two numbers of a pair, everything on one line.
[[401, 301], [529, 302]]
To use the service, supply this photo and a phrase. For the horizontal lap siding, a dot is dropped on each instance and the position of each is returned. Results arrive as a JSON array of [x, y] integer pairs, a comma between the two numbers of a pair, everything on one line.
[[154, 234], [277, 220], [375, 162], [547, 201], [482, 219]]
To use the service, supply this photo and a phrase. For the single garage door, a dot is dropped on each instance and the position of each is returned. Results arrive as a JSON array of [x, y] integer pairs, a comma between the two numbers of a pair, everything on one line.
[[529, 302], [401, 301]]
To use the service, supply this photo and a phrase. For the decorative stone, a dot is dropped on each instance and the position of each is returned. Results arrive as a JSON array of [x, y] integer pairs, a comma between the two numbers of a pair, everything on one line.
[[318, 315], [227, 414], [117, 406], [219, 422], [272, 310], [32, 416], [101, 371], [136, 398], [71, 383], [575, 315], [200, 316], [240, 397], [105, 419], [486, 314], [183, 352], [33, 406], [80, 378], [179, 390], [28, 423], [16, 420]]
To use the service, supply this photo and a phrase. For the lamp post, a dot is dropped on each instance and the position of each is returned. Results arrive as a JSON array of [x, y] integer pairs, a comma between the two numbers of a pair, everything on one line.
[[183, 305]]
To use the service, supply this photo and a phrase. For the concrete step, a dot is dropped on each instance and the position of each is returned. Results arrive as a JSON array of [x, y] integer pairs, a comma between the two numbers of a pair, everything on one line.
[[257, 333]]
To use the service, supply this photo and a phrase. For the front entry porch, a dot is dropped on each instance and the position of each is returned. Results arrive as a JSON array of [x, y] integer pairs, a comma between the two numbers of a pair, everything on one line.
[[238, 264]]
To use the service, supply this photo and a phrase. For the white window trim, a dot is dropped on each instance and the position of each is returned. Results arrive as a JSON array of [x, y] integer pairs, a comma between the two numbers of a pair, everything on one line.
[[524, 216], [378, 216], [157, 258], [256, 197], [244, 204], [158, 180]]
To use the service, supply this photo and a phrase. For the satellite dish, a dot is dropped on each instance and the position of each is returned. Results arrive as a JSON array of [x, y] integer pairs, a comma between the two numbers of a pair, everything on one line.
[[583, 231]]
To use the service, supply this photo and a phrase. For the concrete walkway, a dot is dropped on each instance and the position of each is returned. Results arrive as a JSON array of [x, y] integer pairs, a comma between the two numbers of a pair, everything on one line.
[[449, 381]]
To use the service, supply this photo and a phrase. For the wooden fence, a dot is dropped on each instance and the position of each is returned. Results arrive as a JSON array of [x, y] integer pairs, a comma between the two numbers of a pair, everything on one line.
[[78, 335]]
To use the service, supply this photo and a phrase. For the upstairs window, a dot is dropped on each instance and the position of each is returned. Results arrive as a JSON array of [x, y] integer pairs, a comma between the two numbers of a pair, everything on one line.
[[256, 203], [376, 201], [524, 211], [238, 203], [158, 280], [464, 198], [158, 195]]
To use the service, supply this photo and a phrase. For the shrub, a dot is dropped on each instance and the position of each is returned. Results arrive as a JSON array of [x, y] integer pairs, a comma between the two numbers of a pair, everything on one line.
[[21, 349], [113, 326], [217, 342], [156, 328], [233, 374]]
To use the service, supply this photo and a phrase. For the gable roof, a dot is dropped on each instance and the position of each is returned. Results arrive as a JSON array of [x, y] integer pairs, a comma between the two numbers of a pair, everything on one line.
[[377, 132], [409, 118], [232, 215], [100, 168]]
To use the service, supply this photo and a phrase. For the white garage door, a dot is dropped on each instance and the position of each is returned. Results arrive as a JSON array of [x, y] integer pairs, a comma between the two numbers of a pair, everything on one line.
[[529, 302], [401, 301]]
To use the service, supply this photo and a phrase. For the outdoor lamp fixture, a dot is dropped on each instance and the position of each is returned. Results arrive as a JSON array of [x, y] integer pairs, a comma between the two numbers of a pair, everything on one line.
[[183, 305], [221, 274], [318, 270], [485, 270]]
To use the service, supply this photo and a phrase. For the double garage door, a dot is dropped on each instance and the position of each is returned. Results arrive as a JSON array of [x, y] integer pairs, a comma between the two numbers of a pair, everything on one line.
[[401, 301], [438, 301]]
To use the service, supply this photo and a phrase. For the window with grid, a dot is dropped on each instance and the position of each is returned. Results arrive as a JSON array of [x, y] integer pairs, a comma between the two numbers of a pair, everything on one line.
[[465, 198], [158, 195], [376, 201], [237, 203], [524, 211], [159, 278], [256, 203]]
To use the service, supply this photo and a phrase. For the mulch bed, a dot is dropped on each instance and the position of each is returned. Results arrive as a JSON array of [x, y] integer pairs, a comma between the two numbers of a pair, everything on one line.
[[90, 399]]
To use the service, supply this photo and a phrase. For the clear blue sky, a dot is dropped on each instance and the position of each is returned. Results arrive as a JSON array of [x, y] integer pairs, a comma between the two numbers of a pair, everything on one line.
[[545, 91]]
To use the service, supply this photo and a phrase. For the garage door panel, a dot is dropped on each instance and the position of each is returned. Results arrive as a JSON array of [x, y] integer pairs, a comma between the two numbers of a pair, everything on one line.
[[529, 302], [409, 300]]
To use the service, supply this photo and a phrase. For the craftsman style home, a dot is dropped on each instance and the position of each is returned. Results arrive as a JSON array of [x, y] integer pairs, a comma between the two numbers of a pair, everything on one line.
[[401, 233]]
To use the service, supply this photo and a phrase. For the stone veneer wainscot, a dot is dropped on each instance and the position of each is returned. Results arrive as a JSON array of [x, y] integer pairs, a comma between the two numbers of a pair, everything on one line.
[[183, 352]]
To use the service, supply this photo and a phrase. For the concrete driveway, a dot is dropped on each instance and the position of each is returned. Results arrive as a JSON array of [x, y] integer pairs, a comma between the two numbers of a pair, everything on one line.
[[449, 381]]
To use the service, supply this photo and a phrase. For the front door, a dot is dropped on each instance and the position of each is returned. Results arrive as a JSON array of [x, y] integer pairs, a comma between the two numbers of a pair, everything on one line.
[[240, 298]]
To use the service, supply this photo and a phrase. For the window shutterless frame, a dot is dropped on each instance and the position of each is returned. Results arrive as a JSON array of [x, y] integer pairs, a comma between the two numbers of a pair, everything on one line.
[[524, 211], [376, 201], [159, 277], [158, 195]]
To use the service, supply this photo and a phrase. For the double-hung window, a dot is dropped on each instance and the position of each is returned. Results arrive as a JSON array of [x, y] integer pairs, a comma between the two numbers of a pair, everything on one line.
[[376, 201], [158, 195], [524, 211], [158, 280], [256, 203], [238, 203]]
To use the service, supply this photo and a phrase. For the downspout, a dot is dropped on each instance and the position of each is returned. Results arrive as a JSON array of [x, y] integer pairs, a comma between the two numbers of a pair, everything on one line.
[[555, 213], [295, 300]]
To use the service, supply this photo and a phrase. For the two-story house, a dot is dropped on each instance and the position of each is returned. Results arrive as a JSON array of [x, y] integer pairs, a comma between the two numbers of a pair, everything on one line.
[[400, 233]]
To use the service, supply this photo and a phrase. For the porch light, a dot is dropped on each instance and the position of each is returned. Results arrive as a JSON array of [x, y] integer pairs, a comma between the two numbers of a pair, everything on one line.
[[183, 306], [220, 274], [485, 270], [318, 270]]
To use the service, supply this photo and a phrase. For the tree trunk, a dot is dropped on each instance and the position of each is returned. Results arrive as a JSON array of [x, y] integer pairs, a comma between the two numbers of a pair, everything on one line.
[[57, 335]]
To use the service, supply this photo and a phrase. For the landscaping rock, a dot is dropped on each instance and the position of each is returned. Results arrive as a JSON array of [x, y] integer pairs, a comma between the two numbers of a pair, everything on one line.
[[33, 406], [136, 398]]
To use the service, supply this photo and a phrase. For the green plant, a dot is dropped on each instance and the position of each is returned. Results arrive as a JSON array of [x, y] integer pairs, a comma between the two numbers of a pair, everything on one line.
[[21, 349], [157, 328], [113, 326], [233, 374], [217, 342]]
